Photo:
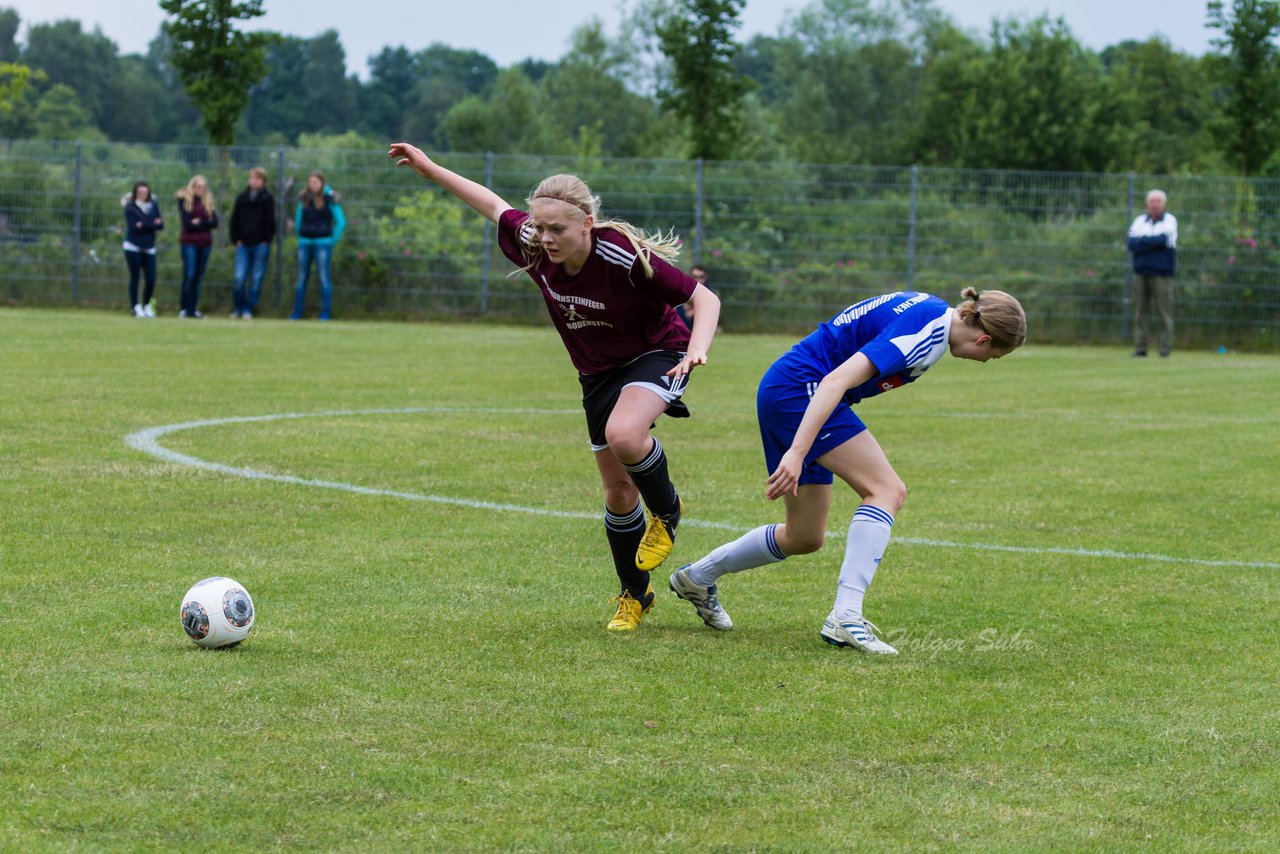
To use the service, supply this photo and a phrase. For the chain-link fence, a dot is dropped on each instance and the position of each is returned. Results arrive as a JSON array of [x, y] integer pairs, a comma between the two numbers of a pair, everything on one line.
[[786, 244]]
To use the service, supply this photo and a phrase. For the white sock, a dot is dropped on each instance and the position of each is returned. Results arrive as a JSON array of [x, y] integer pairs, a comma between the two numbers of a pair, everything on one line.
[[754, 548], [868, 536]]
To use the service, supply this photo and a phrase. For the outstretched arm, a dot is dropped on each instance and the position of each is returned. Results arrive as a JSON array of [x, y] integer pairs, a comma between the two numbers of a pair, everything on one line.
[[854, 372], [480, 198]]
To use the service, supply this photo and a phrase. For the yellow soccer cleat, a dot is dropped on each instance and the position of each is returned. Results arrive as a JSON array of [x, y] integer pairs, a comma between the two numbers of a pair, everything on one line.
[[630, 610], [658, 540]]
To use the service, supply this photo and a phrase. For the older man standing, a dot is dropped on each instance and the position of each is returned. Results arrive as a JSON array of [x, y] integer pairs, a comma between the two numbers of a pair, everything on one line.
[[1153, 240]]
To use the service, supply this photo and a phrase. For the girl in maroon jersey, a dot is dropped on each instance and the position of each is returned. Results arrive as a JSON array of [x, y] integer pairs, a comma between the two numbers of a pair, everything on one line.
[[611, 291]]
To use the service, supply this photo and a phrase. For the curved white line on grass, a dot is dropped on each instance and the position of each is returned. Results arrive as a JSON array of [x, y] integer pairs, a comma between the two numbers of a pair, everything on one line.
[[148, 442]]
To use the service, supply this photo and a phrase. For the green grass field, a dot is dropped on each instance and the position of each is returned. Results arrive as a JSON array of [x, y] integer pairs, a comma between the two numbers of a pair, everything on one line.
[[1084, 584]]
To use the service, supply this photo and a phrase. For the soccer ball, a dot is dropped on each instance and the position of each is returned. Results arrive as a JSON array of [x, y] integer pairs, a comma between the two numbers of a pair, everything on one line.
[[217, 612]]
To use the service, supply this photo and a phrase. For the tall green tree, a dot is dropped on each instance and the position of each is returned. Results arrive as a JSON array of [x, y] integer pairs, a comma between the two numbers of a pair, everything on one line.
[[306, 91], [705, 90], [846, 76], [217, 63], [1170, 101], [9, 22], [88, 63], [1035, 98], [1248, 70]]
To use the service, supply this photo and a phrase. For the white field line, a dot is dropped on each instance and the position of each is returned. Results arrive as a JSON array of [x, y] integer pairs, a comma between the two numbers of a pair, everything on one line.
[[147, 441]]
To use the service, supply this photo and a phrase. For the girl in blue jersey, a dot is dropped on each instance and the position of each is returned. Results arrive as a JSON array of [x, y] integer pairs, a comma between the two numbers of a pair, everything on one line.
[[810, 433]]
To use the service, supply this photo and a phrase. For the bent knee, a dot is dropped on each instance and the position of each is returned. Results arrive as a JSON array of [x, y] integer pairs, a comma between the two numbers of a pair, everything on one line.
[[802, 543], [627, 443], [621, 497]]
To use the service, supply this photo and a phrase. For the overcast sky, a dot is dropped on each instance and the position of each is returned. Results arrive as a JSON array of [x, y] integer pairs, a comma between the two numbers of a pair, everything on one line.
[[511, 30]]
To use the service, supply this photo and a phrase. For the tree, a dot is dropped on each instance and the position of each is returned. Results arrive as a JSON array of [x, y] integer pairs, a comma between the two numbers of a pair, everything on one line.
[[217, 63], [1249, 74], [386, 97], [60, 115], [845, 79], [1169, 96], [86, 62], [9, 22], [705, 91], [14, 80], [305, 91], [587, 107], [1034, 99]]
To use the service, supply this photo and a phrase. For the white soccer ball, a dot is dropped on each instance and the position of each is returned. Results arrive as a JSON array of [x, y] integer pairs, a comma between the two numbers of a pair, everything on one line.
[[217, 612]]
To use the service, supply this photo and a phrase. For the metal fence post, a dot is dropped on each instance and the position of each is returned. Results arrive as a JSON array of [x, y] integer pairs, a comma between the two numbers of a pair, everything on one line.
[[488, 238], [1128, 271], [75, 235], [284, 208], [698, 202], [911, 230]]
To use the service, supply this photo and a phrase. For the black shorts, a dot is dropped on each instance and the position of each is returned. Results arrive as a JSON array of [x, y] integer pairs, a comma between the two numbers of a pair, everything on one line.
[[600, 391]]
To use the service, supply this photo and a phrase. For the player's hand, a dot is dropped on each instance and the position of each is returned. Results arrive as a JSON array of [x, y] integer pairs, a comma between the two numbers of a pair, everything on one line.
[[691, 360], [411, 156], [785, 479]]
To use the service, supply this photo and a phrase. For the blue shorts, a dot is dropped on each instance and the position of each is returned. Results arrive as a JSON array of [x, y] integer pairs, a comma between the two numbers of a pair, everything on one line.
[[780, 405]]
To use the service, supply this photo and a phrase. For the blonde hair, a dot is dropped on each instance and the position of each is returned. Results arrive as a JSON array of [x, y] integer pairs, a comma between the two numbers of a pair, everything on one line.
[[572, 191], [188, 193], [259, 172], [995, 313]]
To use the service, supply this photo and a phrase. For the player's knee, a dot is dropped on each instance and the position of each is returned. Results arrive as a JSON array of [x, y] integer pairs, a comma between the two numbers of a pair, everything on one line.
[[627, 443], [801, 542], [894, 495], [621, 496]]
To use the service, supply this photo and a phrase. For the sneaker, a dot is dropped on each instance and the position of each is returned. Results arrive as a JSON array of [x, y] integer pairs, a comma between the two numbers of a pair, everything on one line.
[[627, 617], [138, 311], [703, 599], [1139, 354], [235, 315], [324, 315], [183, 313], [197, 314], [857, 632], [658, 540], [297, 315], [246, 315], [149, 310]]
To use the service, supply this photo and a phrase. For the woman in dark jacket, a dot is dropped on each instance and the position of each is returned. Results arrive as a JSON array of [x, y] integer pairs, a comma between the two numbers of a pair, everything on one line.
[[142, 220], [196, 208], [253, 227]]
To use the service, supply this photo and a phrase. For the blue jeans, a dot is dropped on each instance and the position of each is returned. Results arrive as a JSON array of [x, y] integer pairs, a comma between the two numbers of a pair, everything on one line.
[[322, 253], [251, 266], [194, 260]]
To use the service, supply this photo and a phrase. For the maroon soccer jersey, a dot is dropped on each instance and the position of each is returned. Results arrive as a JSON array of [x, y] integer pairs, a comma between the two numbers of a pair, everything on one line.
[[609, 313]]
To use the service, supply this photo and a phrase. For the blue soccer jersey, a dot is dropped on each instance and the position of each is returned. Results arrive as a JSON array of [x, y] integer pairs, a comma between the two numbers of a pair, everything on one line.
[[902, 333]]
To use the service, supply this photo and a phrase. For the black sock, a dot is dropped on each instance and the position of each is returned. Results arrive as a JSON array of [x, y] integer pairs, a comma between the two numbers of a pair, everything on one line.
[[624, 532], [654, 482]]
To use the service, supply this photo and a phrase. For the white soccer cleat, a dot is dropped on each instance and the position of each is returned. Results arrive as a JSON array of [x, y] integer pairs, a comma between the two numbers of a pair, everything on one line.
[[857, 632], [703, 599], [149, 310], [139, 311]]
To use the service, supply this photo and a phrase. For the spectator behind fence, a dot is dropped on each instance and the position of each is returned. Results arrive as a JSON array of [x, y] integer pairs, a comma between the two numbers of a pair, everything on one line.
[[253, 227], [699, 274], [319, 222], [1153, 240], [199, 218], [142, 220]]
